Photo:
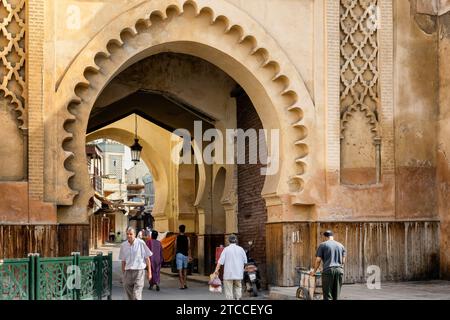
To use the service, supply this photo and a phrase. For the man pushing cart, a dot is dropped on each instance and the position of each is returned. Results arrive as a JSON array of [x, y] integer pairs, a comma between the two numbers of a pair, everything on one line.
[[332, 255]]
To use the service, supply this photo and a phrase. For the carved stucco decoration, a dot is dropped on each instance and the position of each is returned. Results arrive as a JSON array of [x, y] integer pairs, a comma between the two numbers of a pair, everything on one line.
[[359, 62], [281, 87], [12, 53]]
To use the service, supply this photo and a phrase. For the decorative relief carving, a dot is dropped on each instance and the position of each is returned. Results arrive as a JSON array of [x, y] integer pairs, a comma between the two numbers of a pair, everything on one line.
[[359, 94], [12, 53], [359, 59]]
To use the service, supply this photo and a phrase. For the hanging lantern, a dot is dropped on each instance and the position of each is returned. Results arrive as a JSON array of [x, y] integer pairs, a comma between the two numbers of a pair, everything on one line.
[[136, 148]]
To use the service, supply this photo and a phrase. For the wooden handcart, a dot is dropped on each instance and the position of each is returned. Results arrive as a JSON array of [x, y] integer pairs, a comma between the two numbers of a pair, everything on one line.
[[310, 288]]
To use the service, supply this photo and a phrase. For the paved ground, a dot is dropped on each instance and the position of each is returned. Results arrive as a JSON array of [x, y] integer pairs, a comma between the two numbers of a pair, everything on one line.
[[169, 289], [414, 290], [198, 288]]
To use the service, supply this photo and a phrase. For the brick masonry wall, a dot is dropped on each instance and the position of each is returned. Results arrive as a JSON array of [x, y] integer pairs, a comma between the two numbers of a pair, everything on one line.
[[252, 213], [386, 44], [35, 45], [333, 81]]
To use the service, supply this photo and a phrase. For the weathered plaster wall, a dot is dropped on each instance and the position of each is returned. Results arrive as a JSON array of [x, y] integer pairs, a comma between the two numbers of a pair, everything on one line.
[[416, 107], [358, 153], [77, 21], [193, 80], [409, 192], [186, 195], [12, 162], [353, 190], [291, 23]]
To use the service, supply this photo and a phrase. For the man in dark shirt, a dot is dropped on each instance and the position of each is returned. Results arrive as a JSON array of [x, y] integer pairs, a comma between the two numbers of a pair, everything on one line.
[[332, 254], [182, 255]]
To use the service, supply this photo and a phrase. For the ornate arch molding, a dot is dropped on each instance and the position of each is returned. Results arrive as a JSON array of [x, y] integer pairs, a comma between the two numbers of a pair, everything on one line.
[[275, 86], [370, 115]]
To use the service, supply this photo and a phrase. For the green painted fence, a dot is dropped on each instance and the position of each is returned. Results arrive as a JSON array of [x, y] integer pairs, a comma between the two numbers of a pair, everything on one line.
[[64, 278]]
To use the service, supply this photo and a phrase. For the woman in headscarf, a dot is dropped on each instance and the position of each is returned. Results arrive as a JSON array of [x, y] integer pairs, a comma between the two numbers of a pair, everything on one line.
[[156, 260]]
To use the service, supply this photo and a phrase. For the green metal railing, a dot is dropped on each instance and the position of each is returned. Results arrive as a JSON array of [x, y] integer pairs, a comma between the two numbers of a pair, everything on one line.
[[64, 278], [16, 281]]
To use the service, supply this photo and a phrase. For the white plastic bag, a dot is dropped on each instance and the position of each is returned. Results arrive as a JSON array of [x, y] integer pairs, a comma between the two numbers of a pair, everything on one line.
[[215, 285]]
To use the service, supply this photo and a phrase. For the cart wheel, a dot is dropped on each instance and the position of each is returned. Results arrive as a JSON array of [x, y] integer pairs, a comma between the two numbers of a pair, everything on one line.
[[318, 296], [303, 294]]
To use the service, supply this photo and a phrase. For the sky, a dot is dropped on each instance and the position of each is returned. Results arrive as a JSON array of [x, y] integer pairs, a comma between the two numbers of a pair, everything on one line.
[[128, 163]]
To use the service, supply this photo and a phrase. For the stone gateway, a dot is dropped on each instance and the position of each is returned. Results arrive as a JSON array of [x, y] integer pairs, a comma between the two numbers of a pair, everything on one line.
[[357, 92]]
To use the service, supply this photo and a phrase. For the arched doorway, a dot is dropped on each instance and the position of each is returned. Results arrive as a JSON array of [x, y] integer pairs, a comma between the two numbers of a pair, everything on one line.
[[261, 69]]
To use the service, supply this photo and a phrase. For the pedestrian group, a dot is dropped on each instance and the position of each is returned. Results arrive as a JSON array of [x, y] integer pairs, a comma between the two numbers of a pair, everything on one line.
[[140, 258]]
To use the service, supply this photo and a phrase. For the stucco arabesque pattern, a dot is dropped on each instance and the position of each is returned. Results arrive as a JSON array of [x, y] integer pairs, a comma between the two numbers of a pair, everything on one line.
[[359, 69], [12, 65], [83, 91]]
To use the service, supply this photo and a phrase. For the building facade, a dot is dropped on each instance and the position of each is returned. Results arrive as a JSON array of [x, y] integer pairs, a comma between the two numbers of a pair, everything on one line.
[[354, 94]]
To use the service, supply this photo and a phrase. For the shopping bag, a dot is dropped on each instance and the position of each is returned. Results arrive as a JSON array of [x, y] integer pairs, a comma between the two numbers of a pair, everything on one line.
[[215, 289], [214, 281], [215, 285]]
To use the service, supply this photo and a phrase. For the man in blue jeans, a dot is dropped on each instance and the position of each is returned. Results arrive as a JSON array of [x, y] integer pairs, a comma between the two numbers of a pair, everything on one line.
[[332, 254], [182, 255]]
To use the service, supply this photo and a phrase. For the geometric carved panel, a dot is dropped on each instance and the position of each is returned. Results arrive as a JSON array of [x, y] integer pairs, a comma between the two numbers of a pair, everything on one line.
[[359, 56], [12, 53], [359, 92]]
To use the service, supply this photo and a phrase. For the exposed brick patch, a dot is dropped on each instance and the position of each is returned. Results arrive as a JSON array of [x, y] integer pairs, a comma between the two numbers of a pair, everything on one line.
[[252, 213]]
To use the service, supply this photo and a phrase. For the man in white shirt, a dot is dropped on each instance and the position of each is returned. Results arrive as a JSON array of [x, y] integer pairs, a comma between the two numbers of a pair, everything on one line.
[[233, 258], [135, 257]]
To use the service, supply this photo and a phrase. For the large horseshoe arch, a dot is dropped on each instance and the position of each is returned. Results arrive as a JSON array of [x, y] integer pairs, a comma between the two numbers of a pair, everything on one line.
[[213, 30]]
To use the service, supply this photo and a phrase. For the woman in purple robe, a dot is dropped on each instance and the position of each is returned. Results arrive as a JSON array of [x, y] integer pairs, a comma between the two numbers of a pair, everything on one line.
[[156, 260]]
